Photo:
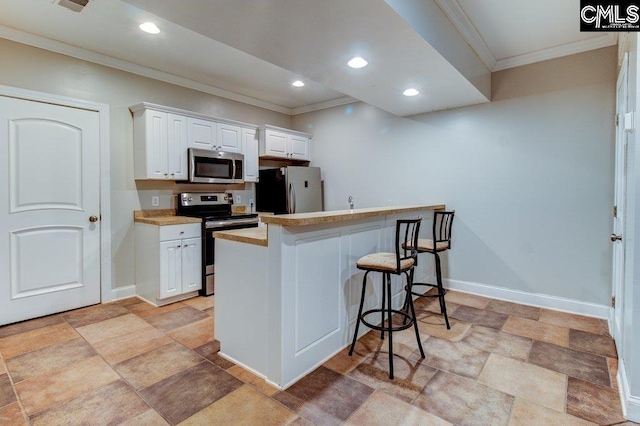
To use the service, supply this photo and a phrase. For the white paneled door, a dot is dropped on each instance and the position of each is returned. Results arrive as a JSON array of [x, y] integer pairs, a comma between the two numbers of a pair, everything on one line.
[[49, 209]]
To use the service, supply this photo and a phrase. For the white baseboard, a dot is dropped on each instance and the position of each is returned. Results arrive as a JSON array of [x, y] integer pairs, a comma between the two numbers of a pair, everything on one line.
[[630, 403], [532, 299], [122, 293]]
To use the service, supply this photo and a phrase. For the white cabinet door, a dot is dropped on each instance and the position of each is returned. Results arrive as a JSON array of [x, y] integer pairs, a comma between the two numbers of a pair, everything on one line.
[[191, 264], [156, 143], [250, 155], [230, 138], [202, 134], [299, 148], [177, 147], [276, 144], [170, 268]]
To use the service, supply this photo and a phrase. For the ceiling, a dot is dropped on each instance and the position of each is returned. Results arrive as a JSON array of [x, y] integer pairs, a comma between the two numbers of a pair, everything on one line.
[[252, 50]]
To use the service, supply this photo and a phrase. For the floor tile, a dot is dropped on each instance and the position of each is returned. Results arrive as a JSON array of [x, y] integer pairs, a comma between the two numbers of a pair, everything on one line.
[[153, 366], [93, 314], [128, 301], [598, 404], [49, 359], [300, 422], [113, 327], [383, 410], [343, 363], [258, 383], [12, 415], [129, 345], [145, 309], [208, 311], [197, 387], [3, 367], [588, 324], [537, 331], [464, 401], [497, 342], [19, 344], [195, 334], [404, 343], [7, 396], [592, 343], [39, 393], [432, 304], [467, 299], [508, 308], [308, 412], [148, 418], [459, 358], [176, 318], [480, 317], [576, 364], [536, 384], [34, 324], [201, 302], [434, 325], [526, 413], [330, 392], [410, 375], [109, 404], [244, 406], [210, 351]]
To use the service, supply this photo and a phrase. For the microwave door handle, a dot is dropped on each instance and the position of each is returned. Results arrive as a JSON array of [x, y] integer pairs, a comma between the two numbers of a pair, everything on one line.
[[233, 170]]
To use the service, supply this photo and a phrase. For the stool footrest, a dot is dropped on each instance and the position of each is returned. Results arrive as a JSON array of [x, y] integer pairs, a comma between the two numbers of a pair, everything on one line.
[[438, 294], [381, 327]]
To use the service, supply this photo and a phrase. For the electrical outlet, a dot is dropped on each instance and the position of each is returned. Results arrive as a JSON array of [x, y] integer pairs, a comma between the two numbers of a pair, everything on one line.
[[250, 201], [155, 201], [238, 199]]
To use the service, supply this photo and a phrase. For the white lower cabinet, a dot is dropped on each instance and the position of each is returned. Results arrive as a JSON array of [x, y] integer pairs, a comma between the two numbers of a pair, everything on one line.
[[168, 262]]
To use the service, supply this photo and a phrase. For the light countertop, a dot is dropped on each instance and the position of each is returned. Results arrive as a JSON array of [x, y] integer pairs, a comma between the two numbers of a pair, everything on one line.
[[162, 217], [315, 218], [257, 236]]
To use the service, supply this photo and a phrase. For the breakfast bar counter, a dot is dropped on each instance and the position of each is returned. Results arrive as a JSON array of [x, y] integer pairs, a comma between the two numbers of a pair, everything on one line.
[[287, 294]]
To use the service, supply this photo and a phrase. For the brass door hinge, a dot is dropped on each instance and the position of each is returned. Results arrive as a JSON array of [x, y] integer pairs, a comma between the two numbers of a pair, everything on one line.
[[613, 301], [617, 119], [615, 211]]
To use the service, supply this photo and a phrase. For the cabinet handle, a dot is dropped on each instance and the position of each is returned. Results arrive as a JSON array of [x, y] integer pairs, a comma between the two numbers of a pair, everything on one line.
[[178, 246], [181, 232]]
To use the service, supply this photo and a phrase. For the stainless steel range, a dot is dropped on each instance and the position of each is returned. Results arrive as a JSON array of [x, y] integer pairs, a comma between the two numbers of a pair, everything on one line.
[[215, 211]]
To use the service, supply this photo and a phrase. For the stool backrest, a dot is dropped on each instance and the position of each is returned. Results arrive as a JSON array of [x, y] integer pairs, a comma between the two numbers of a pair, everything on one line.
[[442, 224], [406, 240]]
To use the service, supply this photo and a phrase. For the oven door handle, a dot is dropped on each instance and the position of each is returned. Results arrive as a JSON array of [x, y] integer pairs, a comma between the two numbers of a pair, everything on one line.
[[226, 223]]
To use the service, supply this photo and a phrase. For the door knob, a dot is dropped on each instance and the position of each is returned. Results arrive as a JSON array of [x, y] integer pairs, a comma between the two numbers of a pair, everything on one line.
[[93, 219], [615, 237]]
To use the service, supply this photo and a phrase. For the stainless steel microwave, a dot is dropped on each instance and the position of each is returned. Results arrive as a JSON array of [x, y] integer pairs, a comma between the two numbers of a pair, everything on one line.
[[215, 166]]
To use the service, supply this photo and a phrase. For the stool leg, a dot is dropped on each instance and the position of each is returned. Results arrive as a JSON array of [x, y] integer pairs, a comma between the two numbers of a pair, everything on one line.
[[384, 295], [355, 334], [414, 318], [409, 295], [443, 306], [389, 325]]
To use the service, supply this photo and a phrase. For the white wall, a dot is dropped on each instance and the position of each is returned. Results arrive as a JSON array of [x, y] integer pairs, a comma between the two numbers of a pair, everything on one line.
[[35, 69], [530, 175]]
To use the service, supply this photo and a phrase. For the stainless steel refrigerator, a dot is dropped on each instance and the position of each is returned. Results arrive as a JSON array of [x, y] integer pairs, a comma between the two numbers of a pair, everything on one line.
[[289, 189]]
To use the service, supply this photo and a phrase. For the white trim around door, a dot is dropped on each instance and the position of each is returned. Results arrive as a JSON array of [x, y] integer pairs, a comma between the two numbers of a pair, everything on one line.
[[105, 164]]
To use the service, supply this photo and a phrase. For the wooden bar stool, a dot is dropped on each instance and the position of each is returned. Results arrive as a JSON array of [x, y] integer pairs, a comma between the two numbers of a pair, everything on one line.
[[398, 263], [441, 241]]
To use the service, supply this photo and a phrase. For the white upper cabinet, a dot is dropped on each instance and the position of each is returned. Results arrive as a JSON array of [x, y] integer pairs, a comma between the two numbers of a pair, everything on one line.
[[159, 145], [276, 142], [162, 136], [230, 138], [250, 146], [203, 134]]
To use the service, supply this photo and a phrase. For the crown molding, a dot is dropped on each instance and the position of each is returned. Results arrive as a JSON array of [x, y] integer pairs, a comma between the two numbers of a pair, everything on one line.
[[460, 20], [556, 52], [109, 61], [324, 105], [457, 16]]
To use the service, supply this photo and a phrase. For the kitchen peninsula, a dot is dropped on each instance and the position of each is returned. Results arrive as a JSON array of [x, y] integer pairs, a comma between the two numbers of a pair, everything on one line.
[[287, 294]]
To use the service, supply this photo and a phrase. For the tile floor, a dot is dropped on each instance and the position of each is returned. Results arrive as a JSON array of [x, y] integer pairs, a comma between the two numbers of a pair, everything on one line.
[[131, 363]]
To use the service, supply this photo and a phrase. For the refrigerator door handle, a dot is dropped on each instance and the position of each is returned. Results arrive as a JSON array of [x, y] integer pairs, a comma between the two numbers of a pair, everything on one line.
[[289, 200], [293, 191]]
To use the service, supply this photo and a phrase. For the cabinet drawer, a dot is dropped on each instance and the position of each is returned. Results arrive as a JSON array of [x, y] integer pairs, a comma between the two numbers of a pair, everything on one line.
[[177, 232]]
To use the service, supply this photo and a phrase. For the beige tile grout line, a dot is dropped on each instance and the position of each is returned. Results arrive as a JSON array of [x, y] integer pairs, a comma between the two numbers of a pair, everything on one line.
[[15, 391]]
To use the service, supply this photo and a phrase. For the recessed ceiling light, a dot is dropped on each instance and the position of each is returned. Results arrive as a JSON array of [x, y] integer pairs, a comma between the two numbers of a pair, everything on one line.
[[149, 27], [357, 62], [297, 83], [411, 92]]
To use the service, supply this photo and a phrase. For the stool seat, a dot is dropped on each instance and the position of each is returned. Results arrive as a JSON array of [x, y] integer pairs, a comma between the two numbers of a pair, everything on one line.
[[426, 244], [383, 262]]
